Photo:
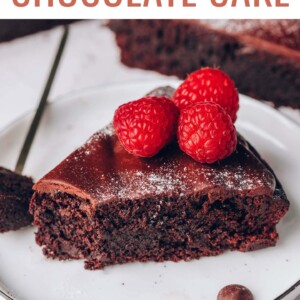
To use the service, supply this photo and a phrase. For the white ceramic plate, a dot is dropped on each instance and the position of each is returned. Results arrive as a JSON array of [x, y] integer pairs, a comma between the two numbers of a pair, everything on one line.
[[67, 124]]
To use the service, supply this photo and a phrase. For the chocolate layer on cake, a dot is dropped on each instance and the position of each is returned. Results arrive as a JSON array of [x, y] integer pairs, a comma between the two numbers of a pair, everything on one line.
[[261, 56], [110, 207], [15, 193]]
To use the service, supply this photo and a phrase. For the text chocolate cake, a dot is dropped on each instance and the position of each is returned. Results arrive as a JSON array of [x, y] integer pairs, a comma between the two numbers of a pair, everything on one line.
[[107, 206]]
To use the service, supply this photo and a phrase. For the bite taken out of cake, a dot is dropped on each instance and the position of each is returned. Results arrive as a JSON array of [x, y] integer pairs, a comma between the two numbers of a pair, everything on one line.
[[108, 206]]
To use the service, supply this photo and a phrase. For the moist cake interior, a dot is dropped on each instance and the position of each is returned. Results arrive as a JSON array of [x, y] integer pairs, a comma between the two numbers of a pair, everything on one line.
[[15, 193]]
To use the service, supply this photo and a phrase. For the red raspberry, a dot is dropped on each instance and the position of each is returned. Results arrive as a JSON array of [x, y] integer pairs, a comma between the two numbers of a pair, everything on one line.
[[208, 85], [145, 126], [206, 132]]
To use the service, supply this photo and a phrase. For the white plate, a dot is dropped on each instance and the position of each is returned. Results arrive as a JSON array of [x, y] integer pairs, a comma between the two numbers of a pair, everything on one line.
[[66, 125]]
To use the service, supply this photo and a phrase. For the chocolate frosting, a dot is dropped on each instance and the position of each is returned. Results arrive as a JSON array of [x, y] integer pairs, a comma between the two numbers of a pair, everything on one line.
[[101, 170]]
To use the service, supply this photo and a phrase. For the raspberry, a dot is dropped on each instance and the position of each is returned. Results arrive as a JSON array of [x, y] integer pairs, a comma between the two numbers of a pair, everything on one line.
[[146, 125], [206, 132], [208, 85]]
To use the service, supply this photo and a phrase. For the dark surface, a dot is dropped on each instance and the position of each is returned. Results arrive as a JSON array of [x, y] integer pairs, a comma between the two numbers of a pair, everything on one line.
[[235, 292], [11, 29], [15, 193], [262, 58], [109, 207]]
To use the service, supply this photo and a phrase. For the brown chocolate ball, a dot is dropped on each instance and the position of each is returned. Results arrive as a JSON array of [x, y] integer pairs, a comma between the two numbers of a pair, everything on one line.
[[235, 292]]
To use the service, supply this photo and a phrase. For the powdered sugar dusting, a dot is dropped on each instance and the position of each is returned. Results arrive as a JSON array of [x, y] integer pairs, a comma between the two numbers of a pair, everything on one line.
[[104, 170], [168, 181], [183, 176], [238, 180], [107, 130], [91, 144], [282, 32], [150, 183]]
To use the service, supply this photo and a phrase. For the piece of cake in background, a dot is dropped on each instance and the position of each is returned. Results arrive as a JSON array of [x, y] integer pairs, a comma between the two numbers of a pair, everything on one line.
[[11, 29], [261, 56], [15, 193]]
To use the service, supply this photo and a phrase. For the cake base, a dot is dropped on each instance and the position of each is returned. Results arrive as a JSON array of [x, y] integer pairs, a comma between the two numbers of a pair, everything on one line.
[[153, 229]]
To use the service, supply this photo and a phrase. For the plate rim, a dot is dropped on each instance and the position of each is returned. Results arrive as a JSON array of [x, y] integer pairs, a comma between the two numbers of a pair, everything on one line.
[[92, 89]]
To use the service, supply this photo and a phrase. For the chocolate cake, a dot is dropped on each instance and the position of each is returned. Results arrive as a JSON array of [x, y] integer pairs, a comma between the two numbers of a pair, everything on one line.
[[15, 193], [261, 56], [110, 207], [11, 29]]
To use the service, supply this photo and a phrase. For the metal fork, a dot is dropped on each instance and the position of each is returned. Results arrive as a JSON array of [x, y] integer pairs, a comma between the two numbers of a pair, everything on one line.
[[34, 126]]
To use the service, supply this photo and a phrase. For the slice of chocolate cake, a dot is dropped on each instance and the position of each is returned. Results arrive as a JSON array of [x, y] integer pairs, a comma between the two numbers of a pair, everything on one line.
[[12, 29], [15, 193], [261, 56], [110, 207]]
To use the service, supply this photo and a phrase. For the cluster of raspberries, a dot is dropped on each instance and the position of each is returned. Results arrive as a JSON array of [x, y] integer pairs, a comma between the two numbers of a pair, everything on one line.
[[201, 116]]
